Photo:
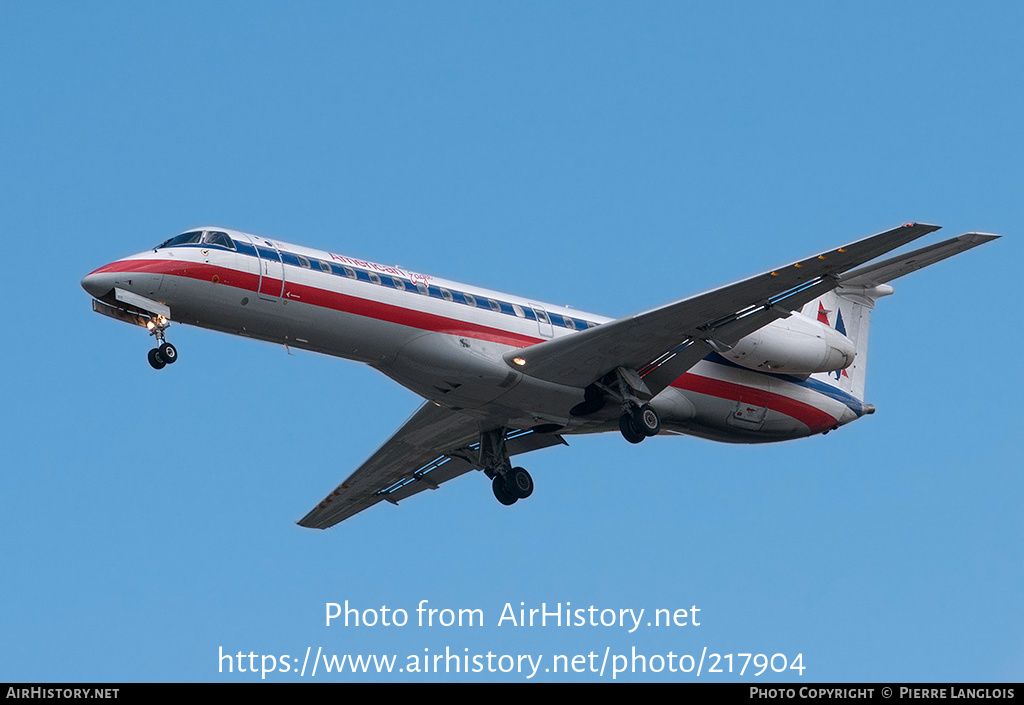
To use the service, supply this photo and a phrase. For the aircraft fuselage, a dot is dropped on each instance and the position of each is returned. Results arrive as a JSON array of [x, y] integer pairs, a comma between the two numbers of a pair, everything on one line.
[[445, 340]]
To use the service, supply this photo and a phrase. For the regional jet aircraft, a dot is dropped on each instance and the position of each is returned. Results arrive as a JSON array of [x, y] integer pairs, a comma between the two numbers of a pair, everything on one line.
[[777, 356]]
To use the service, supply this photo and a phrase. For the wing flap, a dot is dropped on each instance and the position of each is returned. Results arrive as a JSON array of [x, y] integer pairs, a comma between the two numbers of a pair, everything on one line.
[[430, 478]]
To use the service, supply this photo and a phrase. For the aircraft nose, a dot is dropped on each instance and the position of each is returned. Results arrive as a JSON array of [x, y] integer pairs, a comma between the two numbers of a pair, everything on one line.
[[98, 283]]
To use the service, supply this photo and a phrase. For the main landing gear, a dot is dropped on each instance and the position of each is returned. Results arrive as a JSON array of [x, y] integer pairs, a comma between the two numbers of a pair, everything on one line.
[[515, 485], [639, 420], [508, 483], [164, 353], [639, 423]]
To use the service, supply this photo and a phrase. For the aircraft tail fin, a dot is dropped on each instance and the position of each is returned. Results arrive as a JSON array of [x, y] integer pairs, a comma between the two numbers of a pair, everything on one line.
[[847, 308], [848, 313]]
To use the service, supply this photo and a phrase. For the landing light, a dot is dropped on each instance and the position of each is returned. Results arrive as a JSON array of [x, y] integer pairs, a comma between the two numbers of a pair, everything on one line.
[[519, 361]]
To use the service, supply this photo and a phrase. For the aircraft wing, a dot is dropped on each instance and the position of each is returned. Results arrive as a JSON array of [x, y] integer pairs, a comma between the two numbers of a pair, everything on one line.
[[663, 343], [433, 446]]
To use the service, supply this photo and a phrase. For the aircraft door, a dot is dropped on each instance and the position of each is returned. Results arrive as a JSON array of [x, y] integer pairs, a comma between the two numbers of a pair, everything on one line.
[[546, 329], [747, 416], [271, 270]]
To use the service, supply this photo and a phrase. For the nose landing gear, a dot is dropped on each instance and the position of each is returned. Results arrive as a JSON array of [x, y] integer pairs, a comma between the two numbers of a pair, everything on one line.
[[164, 353]]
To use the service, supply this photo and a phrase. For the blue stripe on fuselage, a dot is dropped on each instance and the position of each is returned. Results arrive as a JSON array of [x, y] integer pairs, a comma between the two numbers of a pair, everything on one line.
[[388, 280], [853, 403]]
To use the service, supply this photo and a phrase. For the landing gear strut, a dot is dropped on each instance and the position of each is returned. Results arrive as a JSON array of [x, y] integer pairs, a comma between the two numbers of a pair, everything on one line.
[[508, 483], [164, 353]]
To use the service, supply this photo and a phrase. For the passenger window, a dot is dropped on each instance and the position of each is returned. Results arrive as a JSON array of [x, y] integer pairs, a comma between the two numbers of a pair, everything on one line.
[[495, 306], [351, 273], [303, 261], [447, 295], [325, 267], [398, 283], [469, 299], [374, 277], [423, 288], [569, 323], [518, 310]]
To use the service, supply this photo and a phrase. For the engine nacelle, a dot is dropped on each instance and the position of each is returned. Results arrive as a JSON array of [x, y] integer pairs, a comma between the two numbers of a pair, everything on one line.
[[794, 345]]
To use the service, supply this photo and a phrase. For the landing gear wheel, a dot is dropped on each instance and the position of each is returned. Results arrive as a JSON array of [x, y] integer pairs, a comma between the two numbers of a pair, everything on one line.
[[629, 429], [646, 420], [168, 353], [519, 483], [502, 494], [156, 360]]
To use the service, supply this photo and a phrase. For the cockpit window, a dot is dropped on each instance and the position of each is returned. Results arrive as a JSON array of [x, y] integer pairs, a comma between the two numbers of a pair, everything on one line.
[[183, 239], [215, 237]]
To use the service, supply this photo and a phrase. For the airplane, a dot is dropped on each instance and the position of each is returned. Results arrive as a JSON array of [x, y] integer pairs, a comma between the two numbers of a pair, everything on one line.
[[777, 356]]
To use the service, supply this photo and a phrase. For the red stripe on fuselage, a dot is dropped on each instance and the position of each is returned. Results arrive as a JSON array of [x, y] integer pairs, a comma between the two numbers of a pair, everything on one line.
[[811, 416], [185, 268], [815, 419], [324, 298]]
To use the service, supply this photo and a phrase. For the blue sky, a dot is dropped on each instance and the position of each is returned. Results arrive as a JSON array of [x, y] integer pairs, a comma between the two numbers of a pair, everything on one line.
[[612, 156]]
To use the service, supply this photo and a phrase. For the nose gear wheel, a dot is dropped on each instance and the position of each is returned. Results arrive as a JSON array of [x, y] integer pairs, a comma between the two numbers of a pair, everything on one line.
[[164, 353]]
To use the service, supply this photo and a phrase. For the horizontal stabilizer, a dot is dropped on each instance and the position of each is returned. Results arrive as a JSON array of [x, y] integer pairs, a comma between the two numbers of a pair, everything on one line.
[[882, 272]]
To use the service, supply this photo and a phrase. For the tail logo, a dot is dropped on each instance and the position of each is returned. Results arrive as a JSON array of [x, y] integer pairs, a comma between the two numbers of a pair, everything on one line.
[[840, 328]]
